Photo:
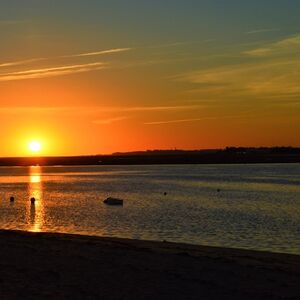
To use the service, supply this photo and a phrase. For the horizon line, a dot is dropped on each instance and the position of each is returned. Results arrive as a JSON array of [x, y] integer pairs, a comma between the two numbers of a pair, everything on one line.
[[150, 150]]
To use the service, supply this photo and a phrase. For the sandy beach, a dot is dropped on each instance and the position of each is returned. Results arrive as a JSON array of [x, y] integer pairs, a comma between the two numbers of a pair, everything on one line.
[[60, 266]]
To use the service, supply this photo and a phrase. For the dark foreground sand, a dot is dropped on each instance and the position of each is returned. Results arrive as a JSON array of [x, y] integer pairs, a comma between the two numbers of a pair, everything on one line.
[[57, 266]]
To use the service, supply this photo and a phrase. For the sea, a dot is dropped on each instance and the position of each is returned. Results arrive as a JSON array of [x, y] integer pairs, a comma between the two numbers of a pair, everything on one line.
[[250, 206]]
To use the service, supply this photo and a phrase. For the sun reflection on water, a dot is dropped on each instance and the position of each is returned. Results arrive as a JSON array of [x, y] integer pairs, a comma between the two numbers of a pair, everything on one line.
[[35, 178], [35, 189]]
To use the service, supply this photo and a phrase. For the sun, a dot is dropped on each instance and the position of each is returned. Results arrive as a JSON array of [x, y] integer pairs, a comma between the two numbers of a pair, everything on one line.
[[35, 146]]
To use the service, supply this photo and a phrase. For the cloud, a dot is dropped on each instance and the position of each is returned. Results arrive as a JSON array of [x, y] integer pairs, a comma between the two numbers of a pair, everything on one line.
[[110, 51], [262, 30], [291, 41], [176, 44], [20, 62], [74, 110], [109, 120], [174, 121], [282, 47], [88, 54], [259, 52], [161, 108], [259, 79], [50, 72], [242, 115], [128, 109]]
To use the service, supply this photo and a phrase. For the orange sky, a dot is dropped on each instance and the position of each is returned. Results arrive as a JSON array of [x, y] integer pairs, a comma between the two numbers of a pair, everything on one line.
[[82, 84]]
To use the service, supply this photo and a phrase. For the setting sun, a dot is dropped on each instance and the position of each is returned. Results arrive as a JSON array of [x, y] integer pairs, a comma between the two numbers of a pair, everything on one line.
[[35, 146]]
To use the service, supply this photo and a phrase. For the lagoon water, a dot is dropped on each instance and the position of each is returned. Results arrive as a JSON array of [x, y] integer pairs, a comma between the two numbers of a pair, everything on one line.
[[240, 206]]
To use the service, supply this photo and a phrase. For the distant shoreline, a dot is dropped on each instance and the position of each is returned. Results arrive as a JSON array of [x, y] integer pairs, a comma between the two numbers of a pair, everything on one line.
[[54, 265], [215, 156]]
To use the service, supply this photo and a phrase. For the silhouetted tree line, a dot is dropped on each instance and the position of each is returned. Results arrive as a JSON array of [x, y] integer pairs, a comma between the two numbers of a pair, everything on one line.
[[283, 150], [229, 155]]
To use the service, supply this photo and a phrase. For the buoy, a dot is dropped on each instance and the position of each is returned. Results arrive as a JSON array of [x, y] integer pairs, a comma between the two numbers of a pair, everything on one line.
[[32, 200], [113, 201], [165, 193]]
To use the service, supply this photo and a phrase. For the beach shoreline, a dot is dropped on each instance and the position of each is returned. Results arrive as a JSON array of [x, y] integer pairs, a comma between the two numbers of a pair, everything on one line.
[[64, 266]]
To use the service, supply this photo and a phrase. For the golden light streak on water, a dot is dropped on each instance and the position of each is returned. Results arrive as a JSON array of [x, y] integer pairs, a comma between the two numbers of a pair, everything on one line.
[[35, 189]]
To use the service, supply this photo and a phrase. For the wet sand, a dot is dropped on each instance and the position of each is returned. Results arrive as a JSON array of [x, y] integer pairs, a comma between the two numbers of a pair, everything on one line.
[[60, 266]]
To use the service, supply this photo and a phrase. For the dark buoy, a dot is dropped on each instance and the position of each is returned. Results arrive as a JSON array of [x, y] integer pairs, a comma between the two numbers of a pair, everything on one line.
[[165, 193], [218, 190], [113, 201], [32, 200], [12, 199]]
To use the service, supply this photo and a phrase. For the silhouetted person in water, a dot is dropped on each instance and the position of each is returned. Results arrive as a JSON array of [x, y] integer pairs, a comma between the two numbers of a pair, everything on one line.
[[12, 199], [32, 214], [32, 200]]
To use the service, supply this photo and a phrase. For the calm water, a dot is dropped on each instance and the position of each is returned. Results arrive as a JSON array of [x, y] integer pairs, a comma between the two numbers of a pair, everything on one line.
[[257, 207]]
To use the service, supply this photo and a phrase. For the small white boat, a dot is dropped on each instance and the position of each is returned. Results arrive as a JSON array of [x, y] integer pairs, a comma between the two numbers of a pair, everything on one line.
[[113, 201]]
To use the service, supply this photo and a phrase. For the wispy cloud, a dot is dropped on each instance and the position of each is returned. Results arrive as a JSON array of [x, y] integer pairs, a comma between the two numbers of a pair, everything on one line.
[[109, 120], [161, 108], [183, 43], [281, 47], [109, 51], [174, 121], [259, 79], [241, 115], [50, 72], [19, 62], [29, 61], [95, 109], [174, 44], [133, 109], [257, 31]]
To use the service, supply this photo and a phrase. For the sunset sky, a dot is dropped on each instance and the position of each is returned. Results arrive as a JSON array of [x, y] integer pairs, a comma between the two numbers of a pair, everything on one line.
[[95, 77]]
